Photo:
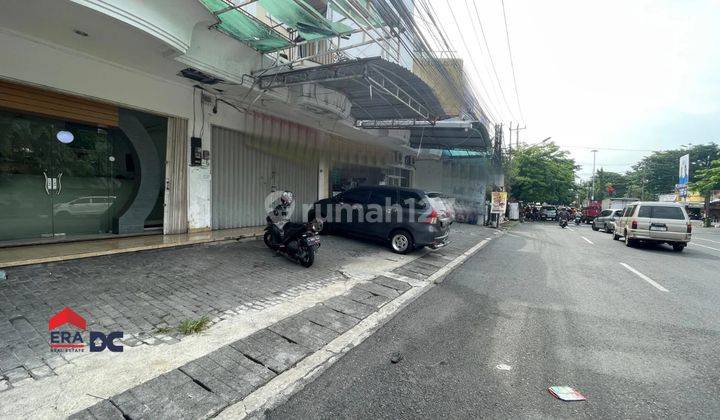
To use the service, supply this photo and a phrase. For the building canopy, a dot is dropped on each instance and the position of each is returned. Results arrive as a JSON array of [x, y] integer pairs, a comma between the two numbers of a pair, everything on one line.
[[378, 89], [297, 15], [451, 135]]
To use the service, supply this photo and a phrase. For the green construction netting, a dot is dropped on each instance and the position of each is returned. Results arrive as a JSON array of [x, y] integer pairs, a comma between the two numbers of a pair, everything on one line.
[[246, 29], [302, 17], [462, 153], [350, 9]]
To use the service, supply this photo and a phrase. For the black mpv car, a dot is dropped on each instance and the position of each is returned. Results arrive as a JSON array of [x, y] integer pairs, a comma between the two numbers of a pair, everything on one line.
[[405, 218]]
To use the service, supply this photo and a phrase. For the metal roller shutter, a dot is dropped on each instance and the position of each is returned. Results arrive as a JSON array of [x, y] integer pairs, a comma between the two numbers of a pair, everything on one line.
[[242, 176]]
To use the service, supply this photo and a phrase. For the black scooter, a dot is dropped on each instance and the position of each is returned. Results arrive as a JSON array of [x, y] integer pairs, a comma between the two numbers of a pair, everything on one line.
[[563, 223], [298, 241]]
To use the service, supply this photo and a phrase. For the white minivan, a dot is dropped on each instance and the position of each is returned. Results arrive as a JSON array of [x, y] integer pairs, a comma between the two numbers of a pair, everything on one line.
[[653, 221]]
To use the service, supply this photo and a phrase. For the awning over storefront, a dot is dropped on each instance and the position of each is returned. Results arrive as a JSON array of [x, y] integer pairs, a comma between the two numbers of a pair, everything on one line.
[[304, 19], [244, 27], [459, 135], [377, 89]]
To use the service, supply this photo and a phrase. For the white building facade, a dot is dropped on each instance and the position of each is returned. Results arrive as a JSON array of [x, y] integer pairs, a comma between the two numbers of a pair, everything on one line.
[[101, 134]]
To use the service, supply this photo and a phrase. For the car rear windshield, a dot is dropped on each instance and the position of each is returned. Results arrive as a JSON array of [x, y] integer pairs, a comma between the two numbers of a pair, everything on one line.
[[661, 212], [668, 213], [436, 202]]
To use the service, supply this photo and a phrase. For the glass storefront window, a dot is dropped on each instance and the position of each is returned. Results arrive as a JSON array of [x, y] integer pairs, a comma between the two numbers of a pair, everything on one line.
[[66, 180]]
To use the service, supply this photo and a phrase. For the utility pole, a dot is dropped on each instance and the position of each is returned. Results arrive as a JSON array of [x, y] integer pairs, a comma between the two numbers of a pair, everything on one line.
[[594, 152], [497, 152], [517, 134], [510, 141]]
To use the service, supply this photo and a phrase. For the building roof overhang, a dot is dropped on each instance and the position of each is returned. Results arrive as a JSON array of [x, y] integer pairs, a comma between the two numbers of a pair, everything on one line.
[[450, 134], [378, 89]]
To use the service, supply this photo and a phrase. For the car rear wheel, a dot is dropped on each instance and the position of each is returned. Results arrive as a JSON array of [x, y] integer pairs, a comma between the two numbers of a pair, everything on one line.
[[401, 242], [629, 242], [607, 228], [595, 228], [678, 247]]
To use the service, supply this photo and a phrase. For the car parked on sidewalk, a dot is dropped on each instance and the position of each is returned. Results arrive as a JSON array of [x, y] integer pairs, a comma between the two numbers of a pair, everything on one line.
[[405, 218], [606, 220], [654, 222]]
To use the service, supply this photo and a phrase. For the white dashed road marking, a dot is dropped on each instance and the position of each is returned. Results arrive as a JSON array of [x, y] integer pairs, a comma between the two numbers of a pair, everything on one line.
[[705, 246], [644, 277], [588, 240]]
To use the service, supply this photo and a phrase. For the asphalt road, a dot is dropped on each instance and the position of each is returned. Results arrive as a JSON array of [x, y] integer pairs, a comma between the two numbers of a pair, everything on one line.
[[559, 308]]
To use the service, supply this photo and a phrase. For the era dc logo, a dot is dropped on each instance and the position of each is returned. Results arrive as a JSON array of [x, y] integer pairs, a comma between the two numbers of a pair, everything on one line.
[[73, 341]]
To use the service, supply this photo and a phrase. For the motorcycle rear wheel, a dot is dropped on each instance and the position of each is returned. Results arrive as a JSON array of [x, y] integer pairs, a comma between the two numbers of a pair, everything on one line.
[[306, 255], [267, 238]]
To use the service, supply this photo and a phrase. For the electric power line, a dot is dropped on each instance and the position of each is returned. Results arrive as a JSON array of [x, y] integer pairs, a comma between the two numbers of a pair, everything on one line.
[[416, 44], [477, 72], [512, 64], [487, 48], [612, 149]]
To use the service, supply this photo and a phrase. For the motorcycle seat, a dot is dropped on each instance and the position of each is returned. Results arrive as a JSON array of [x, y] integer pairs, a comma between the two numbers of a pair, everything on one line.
[[291, 229]]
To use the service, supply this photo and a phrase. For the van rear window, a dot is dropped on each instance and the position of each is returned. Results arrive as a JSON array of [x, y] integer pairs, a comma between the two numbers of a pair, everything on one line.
[[659, 212]]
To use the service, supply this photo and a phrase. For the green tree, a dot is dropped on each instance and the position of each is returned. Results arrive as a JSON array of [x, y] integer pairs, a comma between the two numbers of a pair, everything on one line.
[[658, 173], [707, 179], [542, 173], [604, 180]]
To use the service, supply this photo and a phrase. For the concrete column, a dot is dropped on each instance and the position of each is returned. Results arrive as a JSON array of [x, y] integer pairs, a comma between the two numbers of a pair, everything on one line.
[[323, 178], [200, 177]]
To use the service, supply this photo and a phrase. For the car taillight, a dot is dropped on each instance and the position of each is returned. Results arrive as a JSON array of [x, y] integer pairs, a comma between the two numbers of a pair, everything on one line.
[[431, 219], [634, 224], [689, 230]]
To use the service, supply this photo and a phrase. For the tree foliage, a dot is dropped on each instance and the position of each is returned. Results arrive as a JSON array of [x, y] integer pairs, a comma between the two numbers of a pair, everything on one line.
[[707, 179], [658, 173], [546, 174], [542, 173], [603, 181]]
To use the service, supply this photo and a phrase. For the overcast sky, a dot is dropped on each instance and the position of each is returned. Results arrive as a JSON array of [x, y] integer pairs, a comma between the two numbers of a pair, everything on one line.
[[630, 74]]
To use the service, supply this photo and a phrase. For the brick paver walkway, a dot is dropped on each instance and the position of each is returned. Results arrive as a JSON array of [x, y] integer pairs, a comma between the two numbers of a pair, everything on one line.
[[145, 293]]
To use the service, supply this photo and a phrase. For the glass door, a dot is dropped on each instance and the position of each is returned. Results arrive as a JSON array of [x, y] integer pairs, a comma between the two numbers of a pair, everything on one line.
[[25, 177], [81, 198], [60, 179]]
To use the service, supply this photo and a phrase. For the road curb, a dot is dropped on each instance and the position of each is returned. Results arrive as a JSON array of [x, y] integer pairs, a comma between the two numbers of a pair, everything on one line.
[[284, 386]]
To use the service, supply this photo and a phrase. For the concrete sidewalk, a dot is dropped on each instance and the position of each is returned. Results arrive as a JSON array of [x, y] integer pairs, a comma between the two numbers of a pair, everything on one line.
[[146, 295]]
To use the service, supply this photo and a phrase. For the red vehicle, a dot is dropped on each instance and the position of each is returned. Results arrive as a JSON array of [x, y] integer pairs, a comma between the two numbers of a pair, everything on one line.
[[591, 210]]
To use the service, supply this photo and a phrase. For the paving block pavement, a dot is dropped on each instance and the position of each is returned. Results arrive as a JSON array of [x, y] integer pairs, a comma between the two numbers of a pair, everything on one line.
[[148, 294], [237, 369], [203, 387]]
